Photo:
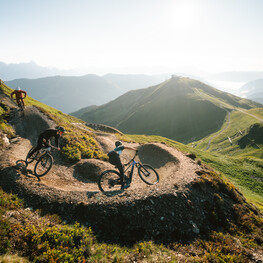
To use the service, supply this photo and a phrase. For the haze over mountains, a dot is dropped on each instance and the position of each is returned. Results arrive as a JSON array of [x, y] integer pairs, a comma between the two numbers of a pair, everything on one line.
[[179, 108], [28, 70], [252, 90], [237, 76], [70, 92]]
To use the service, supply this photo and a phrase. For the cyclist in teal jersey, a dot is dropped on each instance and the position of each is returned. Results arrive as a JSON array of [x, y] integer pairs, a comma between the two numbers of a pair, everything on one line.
[[114, 158]]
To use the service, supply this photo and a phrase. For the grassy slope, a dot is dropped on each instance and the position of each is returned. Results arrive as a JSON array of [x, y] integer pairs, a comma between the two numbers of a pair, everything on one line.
[[45, 239], [174, 109], [243, 166], [28, 237]]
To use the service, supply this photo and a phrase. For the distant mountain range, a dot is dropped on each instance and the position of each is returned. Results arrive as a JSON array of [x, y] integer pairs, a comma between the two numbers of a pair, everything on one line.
[[252, 90], [179, 108], [28, 70], [68, 93], [238, 76], [54, 87]]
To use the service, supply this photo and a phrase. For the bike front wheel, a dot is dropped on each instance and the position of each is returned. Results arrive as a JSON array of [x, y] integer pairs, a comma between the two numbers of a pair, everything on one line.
[[148, 174], [43, 165], [32, 157], [109, 181]]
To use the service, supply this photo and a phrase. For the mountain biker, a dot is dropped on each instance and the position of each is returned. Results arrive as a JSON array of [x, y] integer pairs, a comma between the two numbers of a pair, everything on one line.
[[114, 158], [20, 95], [44, 138]]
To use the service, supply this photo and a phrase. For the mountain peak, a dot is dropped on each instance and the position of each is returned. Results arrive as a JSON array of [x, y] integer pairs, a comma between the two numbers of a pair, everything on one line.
[[179, 108]]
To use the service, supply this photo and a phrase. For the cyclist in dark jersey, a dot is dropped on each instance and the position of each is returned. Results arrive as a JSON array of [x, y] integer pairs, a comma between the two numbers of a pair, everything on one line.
[[114, 158], [44, 138]]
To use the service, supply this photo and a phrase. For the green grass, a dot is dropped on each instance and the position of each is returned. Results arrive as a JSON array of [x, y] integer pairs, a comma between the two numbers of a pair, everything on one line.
[[240, 163], [4, 126], [220, 143], [32, 238], [244, 172], [258, 112]]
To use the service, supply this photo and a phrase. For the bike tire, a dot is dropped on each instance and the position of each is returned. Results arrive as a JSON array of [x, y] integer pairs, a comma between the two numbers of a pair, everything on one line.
[[21, 107], [148, 174], [43, 165], [32, 158], [108, 181]]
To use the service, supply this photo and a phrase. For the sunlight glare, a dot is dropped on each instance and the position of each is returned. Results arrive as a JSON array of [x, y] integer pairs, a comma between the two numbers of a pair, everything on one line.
[[183, 15]]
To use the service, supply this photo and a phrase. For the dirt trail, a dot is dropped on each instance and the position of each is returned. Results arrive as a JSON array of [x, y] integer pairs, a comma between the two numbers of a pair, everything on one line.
[[171, 165], [176, 208]]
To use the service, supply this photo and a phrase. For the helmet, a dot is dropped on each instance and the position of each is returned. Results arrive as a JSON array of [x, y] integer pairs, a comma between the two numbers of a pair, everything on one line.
[[60, 128], [18, 88], [118, 143]]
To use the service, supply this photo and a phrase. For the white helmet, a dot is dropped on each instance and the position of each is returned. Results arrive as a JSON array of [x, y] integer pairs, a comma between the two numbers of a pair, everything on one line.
[[18, 88]]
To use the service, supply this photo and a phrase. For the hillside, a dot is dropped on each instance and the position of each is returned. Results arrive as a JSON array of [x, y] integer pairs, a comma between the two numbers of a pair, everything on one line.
[[252, 90], [192, 203], [180, 108]]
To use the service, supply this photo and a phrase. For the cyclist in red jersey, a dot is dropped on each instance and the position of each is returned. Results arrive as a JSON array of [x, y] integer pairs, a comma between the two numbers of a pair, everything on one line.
[[20, 95]]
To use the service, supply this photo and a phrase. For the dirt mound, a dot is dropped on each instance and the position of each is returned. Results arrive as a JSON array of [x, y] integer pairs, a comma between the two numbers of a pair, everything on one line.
[[88, 170], [156, 156], [106, 141]]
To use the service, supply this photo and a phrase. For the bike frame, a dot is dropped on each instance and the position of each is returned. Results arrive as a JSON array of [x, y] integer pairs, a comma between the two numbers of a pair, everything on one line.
[[43, 151], [131, 164]]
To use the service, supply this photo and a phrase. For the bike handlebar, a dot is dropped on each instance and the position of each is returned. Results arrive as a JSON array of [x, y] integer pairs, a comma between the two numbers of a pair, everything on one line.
[[50, 146]]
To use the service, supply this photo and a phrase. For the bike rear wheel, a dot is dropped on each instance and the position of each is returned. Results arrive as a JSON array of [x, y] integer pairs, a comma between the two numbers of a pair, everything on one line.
[[43, 165], [148, 174], [31, 158], [109, 181], [21, 106]]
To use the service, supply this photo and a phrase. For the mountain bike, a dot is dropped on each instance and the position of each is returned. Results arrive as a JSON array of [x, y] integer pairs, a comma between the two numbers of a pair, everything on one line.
[[21, 106], [44, 160], [109, 180]]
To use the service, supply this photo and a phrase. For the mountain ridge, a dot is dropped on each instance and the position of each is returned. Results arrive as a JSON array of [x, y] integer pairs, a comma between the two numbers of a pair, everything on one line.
[[174, 109]]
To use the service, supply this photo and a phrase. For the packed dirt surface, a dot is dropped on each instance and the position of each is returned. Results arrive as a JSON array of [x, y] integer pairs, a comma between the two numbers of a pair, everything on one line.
[[180, 207]]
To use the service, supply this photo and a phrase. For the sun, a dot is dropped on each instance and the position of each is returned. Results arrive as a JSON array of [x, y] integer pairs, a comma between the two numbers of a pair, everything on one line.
[[183, 14]]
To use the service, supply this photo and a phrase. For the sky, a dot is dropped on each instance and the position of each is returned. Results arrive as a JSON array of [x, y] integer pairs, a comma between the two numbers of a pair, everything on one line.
[[134, 36]]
